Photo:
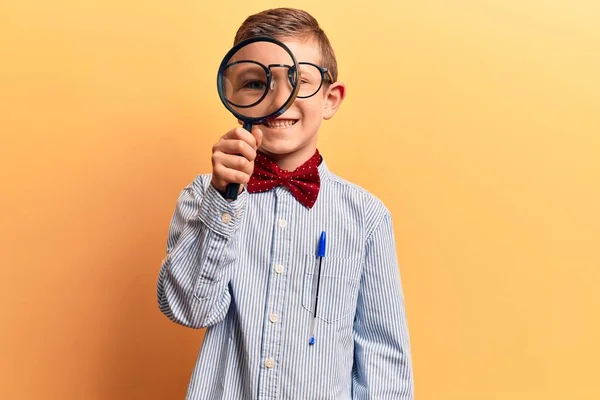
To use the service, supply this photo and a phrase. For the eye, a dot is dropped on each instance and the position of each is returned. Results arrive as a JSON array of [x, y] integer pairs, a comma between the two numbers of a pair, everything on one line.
[[254, 85]]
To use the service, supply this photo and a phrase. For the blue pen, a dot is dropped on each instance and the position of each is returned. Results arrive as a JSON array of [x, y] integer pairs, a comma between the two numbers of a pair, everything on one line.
[[320, 254]]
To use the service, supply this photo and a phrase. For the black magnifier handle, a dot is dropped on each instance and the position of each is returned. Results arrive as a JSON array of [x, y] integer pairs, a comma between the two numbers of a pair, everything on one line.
[[231, 192]]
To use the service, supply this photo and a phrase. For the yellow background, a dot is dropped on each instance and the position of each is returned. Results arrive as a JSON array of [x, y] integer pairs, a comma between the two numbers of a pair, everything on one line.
[[477, 122]]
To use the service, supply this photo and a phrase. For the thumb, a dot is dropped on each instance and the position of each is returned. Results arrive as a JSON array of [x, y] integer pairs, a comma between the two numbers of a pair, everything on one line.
[[258, 134]]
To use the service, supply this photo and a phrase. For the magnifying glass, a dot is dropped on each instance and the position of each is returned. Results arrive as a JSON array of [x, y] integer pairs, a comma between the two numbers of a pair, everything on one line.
[[258, 80]]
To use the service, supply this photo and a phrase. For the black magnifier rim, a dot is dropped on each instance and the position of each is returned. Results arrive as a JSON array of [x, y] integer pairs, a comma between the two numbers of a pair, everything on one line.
[[280, 110]]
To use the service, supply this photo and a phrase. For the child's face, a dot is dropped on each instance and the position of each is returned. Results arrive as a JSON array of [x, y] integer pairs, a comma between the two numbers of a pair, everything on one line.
[[292, 137]]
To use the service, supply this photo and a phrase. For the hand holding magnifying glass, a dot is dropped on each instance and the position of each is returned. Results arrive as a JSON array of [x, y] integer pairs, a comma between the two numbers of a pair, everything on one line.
[[257, 80], [233, 157]]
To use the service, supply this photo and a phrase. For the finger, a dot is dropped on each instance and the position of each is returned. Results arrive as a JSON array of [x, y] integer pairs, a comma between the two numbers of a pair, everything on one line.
[[241, 134], [236, 147], [229, 175], [258, 135], [235, 162]]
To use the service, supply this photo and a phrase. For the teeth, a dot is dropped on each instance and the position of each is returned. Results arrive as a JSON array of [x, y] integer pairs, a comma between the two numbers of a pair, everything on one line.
[[280, 123]]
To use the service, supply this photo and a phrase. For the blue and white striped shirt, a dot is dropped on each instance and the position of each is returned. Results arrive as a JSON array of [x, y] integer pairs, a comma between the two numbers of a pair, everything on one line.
[[245, 270]]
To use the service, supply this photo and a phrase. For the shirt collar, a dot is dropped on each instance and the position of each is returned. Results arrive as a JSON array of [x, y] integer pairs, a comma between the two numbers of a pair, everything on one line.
[[324, 172]]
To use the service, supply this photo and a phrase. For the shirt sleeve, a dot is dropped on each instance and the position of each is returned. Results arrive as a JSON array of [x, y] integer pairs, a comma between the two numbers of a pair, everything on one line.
[[193, 281], [383, 366]]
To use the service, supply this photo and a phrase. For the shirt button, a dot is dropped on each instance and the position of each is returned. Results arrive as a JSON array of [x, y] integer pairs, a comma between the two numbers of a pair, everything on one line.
[[282, 223], [269, 363], [273, 318], [226, 218], [279, 269]]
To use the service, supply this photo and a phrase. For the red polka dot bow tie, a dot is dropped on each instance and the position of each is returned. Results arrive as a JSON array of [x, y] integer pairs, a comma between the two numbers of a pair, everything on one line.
[[304, 182]]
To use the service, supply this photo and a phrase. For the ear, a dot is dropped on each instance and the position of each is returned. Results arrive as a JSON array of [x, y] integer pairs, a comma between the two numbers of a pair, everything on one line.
[[333, 99]]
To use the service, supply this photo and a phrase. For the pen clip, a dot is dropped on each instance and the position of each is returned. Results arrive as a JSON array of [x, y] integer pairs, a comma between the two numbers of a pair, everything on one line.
[[322, 240]]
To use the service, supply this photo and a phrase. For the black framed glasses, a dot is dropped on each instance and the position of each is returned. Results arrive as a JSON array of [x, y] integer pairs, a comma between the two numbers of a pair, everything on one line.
[[312, 77], [250, 81]]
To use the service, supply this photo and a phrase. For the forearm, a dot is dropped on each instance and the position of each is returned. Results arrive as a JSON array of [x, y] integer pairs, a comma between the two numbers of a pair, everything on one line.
[[193, 280], [383, 367]]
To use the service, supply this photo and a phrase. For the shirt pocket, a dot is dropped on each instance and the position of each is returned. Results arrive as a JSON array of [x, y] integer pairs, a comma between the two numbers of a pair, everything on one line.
[[338, 287]]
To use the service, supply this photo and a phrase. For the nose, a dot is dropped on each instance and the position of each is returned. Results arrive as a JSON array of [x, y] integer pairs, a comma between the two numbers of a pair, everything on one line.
[[278, 94]]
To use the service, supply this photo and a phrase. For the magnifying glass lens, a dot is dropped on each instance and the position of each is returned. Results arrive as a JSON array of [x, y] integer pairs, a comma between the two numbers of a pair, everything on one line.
[[258, 80], [245, 83]]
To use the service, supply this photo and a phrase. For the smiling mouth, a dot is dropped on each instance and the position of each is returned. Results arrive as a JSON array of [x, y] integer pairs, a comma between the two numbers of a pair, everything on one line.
[[280, 123]]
